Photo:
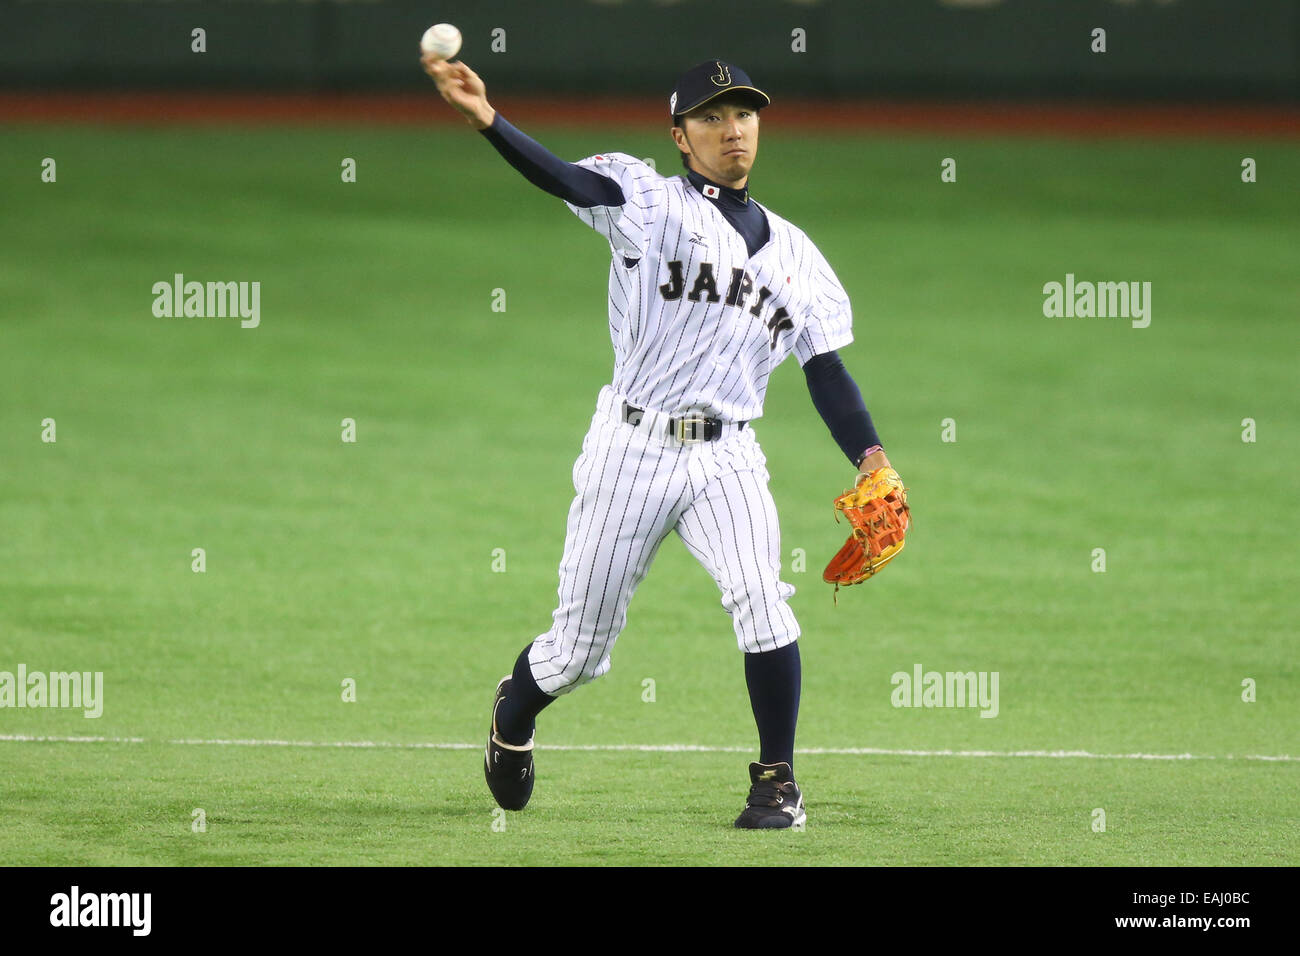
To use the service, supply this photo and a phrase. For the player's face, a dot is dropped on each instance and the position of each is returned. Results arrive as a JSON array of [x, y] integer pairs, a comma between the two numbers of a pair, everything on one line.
[[722, 139]]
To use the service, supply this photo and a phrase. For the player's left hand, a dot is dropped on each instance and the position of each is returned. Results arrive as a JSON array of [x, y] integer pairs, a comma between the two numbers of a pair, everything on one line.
[[878, 510]]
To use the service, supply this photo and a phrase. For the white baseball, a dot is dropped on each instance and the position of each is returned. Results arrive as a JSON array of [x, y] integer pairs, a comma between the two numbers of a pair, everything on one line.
[[442, 40]]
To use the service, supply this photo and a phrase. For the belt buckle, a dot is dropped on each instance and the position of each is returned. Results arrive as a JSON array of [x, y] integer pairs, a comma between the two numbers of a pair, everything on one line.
[[689, 430]]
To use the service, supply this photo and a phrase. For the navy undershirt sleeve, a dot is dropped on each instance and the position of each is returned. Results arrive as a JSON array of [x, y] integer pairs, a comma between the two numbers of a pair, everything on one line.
[[572, 183], [839, 402]]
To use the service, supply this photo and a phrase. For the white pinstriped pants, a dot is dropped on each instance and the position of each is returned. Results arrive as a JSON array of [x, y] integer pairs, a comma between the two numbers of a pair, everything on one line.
[[632, 489]]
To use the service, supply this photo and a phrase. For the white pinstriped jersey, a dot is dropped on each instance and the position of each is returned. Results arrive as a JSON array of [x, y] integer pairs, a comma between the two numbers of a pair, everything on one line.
[[698, 324]]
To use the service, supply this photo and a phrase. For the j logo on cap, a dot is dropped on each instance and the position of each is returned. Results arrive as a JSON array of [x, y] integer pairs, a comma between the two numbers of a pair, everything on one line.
[[710, 79]]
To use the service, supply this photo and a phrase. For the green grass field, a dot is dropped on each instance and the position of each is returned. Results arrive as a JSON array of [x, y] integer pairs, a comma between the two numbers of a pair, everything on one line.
[[373, 561]]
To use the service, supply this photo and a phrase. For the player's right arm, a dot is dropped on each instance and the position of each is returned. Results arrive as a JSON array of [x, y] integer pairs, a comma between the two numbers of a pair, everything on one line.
[[465, 91], [462, 88]]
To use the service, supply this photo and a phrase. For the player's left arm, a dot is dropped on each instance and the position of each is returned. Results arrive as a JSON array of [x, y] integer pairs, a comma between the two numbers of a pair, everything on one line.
[[835, 394], [877, 506], [838, 400]]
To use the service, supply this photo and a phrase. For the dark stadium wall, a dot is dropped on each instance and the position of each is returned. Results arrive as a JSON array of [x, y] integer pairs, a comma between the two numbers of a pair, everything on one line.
[[1171, 49]]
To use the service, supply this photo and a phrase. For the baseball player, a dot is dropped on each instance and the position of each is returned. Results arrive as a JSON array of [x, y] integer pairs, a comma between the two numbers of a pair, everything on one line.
[[708, 292]]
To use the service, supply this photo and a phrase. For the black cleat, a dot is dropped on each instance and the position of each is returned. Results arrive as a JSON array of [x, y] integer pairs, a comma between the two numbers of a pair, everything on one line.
[[775, 802], [508, 768]]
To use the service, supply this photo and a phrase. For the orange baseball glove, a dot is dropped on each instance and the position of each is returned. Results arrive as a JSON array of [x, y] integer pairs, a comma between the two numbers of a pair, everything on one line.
[[877, 509]]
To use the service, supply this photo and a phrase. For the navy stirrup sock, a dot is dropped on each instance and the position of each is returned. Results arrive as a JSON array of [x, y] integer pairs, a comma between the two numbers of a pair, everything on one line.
[[774, 678], [518, 709]]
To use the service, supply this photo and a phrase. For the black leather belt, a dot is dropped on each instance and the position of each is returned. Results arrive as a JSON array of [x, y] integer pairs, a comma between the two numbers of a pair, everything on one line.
[[686, 429]]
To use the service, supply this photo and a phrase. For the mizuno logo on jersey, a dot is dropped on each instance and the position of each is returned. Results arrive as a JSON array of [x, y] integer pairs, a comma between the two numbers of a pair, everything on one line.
[[696, 237], [738, 290]]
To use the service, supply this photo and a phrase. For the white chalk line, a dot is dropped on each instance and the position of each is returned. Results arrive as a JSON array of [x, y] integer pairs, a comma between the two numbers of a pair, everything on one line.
[[647, 748]]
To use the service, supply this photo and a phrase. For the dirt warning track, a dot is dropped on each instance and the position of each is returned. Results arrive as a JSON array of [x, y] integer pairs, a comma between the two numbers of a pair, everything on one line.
[[974, 118]]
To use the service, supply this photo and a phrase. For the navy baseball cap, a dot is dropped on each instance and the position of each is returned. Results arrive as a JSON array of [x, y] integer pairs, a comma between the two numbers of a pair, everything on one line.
[[709, 80]]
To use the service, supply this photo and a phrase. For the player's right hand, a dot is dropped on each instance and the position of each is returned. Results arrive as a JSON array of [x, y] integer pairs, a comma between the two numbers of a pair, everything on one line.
[[462, 88]]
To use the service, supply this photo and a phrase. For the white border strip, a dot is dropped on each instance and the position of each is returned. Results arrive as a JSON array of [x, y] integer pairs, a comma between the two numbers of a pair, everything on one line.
[[650, 748]]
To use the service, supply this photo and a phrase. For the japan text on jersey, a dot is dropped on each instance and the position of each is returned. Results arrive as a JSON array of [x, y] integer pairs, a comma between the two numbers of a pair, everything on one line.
[[697, 323]]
